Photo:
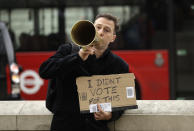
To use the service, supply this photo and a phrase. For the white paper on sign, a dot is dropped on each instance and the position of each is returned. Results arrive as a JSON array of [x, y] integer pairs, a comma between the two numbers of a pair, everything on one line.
[[105, 107], [130, 92]]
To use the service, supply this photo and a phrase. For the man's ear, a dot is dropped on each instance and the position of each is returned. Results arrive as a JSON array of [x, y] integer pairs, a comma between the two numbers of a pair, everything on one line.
[[114, 37]]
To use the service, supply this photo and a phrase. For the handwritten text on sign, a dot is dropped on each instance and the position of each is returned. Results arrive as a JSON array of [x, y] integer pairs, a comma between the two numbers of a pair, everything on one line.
[[101, 90]]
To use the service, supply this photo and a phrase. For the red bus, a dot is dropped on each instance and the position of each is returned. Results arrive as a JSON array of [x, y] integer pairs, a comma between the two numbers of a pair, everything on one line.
[[150, 69], [40, 28]]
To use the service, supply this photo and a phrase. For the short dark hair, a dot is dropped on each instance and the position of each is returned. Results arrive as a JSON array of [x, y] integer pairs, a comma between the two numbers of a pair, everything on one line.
[[109, 17]]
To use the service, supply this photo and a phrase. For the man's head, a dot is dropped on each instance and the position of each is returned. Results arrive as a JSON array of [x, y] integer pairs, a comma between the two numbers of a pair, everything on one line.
[[106, 27], [110, 17]]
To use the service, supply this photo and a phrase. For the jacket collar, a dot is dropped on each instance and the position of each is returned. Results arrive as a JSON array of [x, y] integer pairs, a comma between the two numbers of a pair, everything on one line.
[[106, 52]]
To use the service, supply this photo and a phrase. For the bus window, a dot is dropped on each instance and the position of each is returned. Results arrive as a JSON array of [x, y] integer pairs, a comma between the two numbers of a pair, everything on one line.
[[42, 33], [27, 38], [4, 16], [73, 15], [124, 13], [48, 21], [21, 23]]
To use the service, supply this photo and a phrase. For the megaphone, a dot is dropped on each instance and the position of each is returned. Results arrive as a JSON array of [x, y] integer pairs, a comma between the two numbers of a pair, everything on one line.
[[83, 33]]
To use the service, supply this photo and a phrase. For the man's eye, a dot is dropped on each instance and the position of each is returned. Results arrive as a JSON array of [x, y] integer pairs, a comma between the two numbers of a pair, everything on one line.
[[106, 30], [98, 27]]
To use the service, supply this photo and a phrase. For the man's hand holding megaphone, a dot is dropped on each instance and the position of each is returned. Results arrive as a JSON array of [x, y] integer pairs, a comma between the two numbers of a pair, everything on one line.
[[86, 51]]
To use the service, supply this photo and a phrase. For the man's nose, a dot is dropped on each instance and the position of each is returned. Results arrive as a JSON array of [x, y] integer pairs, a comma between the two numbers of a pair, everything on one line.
[[100, 32]]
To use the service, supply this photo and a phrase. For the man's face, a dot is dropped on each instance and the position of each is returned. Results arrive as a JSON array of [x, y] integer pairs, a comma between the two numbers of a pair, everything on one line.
[[105, 30]]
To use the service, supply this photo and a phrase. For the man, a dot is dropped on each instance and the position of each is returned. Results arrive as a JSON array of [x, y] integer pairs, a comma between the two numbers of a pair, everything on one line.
[[66, 67]]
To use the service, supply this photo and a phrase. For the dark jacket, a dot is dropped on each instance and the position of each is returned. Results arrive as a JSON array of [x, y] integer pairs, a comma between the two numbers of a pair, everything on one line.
[[65, 67]]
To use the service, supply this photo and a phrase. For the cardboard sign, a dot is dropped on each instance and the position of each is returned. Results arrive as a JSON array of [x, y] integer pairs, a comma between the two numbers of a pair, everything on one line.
[[111, 92]]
